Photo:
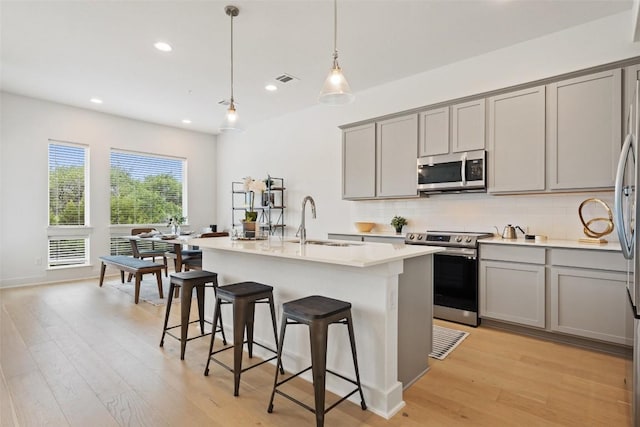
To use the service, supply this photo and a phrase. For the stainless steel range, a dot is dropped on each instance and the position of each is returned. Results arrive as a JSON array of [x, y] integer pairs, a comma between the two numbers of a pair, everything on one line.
[[455, 273]]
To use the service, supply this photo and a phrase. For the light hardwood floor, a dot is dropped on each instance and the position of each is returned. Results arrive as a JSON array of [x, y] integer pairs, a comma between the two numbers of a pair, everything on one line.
[[76, 354]]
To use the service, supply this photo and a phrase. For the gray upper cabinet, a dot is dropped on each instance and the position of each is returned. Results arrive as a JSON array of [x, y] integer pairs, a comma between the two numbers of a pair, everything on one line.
[[397, 151], [516, 148], [434, 132], [467, 124], [584, 132], [359, 162]]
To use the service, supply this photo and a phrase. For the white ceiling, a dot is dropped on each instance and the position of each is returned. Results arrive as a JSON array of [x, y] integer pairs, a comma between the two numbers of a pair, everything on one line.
[[70, 51]]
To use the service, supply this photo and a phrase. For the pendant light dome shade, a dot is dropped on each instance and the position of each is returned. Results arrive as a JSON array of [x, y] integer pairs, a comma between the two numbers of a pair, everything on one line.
[[336, 90], [230, 122]]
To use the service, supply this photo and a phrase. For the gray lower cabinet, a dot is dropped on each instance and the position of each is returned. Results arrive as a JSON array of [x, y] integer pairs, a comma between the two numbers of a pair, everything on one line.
[[578, 292], [513, 291], [584, 131], [516, 147], [384, 239], [363, 238], [591, 304], [352, 237], [359, 162], [588, 295]]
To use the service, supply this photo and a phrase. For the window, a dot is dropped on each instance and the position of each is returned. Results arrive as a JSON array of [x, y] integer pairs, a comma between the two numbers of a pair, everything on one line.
[[145, 189], [67, 237]]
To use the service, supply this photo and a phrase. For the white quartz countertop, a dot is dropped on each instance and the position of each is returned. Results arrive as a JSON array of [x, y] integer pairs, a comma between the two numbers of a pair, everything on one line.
[[356, 254], [553, 243]]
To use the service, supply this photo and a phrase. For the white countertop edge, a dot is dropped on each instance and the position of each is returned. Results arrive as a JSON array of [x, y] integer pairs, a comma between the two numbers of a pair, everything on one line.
[[356, 255], [553, 243]]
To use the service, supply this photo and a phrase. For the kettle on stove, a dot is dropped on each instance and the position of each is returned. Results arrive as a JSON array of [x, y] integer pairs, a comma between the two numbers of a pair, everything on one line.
[[509, 231]]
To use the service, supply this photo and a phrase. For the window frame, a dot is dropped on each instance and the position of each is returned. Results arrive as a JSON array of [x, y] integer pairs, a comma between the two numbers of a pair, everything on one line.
[[73, 232]]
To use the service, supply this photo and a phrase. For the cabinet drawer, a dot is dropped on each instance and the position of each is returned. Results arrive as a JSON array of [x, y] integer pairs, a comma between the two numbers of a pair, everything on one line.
[[594, 259], [512, 253]]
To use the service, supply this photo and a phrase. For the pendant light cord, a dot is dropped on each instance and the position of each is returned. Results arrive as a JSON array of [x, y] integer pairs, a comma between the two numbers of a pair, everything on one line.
[[335, 30], [231, 58]]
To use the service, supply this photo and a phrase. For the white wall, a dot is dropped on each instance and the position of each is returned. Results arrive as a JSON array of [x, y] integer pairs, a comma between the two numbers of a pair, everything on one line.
[[27, 124], [304, 147]]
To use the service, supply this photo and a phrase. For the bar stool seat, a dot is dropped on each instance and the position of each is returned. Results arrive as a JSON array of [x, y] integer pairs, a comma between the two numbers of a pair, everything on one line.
[[244, 296], [317, 312], [188, 281]]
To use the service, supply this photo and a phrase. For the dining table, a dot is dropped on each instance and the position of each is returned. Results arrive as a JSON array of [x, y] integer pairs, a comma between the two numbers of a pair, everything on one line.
[[178, 241]]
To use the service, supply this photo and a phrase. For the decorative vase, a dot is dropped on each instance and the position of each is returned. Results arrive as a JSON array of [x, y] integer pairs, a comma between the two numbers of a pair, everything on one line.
[[173, 229], [398, 230], [249, 228]]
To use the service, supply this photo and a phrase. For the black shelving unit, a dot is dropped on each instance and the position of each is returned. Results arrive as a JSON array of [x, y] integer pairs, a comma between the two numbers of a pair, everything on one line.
[[270, 207]]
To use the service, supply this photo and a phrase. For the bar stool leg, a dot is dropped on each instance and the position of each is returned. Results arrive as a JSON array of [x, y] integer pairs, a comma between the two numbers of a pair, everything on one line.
[[352, 340], [166, 315], [318, 340], [200, 298], [239, 322], [275, 331], [185, 311], [283, 328], [216, 316], [251, 313]]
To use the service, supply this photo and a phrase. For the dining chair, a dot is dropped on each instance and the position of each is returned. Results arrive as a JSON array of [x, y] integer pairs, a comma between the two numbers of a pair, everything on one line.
[[195, 263], [152, 253]]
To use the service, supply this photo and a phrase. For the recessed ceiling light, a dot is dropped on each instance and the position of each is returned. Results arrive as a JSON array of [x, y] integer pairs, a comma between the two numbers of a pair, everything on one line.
[[165, 47], [271, 87], [96, 100], [186, 121]]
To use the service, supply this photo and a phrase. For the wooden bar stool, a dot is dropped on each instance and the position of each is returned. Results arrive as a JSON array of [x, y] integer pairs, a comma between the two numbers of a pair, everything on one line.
[[244, 296], [318, 313], [188, 281]]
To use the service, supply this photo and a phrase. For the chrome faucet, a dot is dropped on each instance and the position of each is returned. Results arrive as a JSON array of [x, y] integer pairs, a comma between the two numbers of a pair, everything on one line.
[[302, 231]]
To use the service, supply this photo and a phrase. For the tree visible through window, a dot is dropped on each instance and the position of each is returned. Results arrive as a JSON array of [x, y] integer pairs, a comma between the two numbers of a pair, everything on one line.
[[66, 184], [145, 189]]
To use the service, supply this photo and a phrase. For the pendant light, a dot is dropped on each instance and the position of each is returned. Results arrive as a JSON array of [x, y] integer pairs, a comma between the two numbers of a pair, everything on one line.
[[230, 122], [336, 90]]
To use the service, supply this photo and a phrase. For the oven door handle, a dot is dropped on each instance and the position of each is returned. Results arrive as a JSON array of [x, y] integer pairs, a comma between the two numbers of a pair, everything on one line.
[[460, 252]]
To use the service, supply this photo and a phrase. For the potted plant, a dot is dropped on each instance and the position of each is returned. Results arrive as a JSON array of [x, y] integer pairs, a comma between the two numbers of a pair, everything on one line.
[[398, 222]]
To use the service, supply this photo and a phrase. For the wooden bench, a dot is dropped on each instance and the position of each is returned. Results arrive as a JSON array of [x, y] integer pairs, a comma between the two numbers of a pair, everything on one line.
[[133, 266]]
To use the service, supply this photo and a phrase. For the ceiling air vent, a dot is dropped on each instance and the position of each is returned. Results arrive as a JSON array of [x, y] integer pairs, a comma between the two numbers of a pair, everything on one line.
[[286, 78]]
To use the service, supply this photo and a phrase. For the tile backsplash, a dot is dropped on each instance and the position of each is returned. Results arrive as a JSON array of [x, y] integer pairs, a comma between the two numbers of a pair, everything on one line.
[[553, 215]]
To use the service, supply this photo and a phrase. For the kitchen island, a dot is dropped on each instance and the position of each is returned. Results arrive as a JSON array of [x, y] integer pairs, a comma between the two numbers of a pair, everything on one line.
[[389, 287]]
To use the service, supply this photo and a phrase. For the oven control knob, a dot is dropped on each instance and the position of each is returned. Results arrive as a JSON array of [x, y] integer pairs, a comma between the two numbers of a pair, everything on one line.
[[459, 239], [468, 240], [411, 236], [419, 236]]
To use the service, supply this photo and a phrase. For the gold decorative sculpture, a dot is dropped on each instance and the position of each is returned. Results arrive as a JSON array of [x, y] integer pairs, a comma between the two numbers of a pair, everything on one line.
[[595, 236]]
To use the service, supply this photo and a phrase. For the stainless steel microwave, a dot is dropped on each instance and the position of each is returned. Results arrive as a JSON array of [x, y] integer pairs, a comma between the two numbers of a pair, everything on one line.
[[453, 172]]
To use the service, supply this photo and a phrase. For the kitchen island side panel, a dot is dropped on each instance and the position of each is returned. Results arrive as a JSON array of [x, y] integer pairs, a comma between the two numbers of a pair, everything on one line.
[[415, 319], [373, 293]]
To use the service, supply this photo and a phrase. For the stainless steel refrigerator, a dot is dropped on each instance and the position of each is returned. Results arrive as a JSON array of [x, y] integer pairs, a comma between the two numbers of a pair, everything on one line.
[[626, 217]]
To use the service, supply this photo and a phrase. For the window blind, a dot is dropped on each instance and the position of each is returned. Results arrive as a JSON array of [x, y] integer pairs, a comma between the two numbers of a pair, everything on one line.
[[145, 188], [66, 184]]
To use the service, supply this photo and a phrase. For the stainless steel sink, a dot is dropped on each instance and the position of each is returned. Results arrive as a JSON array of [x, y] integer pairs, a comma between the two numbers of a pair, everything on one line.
[[324, 243]]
